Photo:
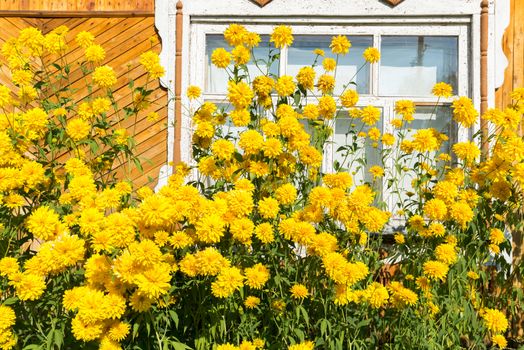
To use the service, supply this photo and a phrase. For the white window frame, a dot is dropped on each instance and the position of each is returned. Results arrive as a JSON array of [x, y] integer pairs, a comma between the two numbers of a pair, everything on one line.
[[313, 13], [460, 30]]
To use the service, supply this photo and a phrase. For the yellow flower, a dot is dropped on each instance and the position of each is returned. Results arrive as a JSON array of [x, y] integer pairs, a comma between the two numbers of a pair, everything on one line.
[[307, 345], [371, 54], [282, 36], [442, 90], [374, 134], [264, 232], [376, 295], [95, 53], [43, 223], [435, 269], [495, 320], [286, 194], [400, 238], [78, 129], [349, 98], [193, 92], [340, 45], [251, 302], [151, 63], [256, 276], [496, 236], [285, 86], [228, 281], [240, 117], [435, 209], [424, 140], [473, 275], [29, 286], [227, 346], [85, 331], [377, 171], [466, 151], [298, 291], [464, 112], [370, 115], [499, 341], [327, 107], [234, 34], [84, 39], [251, 141], [388, 139], [461, 212], [220, 57], [263, 85], [241, 55], [223, 149], [319, 52], [5, 96], [7, 317], [326, 83], [329, 64], [268, 208], [406, 108], [118, 331], [272, 147], [104, 76], [446, 253], [239, 94], [306, 77], [21, 77]]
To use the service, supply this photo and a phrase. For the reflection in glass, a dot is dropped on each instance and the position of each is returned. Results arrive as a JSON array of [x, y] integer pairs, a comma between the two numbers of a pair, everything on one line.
[[217, 78], [411, 65], [356, 149], [301, 54]]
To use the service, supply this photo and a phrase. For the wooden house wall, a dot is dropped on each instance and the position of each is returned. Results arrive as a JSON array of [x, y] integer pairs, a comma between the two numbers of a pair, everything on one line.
[[124, 39], [78, 5], [513, 46]]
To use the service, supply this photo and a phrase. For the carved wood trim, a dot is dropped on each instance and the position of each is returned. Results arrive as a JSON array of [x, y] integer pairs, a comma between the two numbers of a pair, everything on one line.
[[392, 2], [178, 81], [263, 3]]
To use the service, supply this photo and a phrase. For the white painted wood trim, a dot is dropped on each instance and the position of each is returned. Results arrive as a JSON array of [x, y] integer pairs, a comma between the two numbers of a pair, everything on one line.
[[310, 16]]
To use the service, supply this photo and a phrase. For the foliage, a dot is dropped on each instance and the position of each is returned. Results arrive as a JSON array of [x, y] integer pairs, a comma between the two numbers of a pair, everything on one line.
[[254, 246]]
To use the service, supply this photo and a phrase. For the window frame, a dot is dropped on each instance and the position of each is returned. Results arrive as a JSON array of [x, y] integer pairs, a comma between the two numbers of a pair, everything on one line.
[[456, 28]]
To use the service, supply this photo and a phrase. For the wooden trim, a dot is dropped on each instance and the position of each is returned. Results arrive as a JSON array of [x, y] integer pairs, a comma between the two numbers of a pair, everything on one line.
[[63, 14], [178, 82], [484, 33]]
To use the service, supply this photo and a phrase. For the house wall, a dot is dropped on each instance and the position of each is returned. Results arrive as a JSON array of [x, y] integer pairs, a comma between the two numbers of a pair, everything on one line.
[[77, 5], [513, 46], [124, 36]]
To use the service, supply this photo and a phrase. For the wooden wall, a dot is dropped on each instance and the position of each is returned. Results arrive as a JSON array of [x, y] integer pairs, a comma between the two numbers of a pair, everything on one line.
[[124, 39], [513, 45], [78, 5]]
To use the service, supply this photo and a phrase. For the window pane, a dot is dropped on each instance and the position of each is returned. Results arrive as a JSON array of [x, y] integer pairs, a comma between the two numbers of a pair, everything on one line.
[[216, 78], [301, 54], [425, 60], [356, 148], [425, 118]]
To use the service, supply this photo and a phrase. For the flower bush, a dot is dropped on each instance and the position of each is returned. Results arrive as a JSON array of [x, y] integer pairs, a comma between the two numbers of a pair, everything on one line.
[[253, 245]]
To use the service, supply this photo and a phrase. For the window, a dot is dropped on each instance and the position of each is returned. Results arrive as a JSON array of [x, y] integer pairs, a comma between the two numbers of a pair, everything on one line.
[[426, 54]]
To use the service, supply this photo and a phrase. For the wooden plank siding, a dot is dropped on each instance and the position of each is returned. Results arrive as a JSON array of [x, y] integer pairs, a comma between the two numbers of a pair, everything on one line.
[[78, 5], [124, 39], [513, 46]]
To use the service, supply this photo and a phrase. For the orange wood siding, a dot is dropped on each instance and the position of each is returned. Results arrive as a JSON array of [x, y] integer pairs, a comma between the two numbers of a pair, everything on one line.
[[513, 45], [124, 39], [78, 5]]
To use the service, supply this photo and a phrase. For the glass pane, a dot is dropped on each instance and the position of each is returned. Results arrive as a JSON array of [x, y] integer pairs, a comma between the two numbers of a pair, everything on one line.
[[358, 148], [425, 60], [301, 54], [216, 78], [425, 118]]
